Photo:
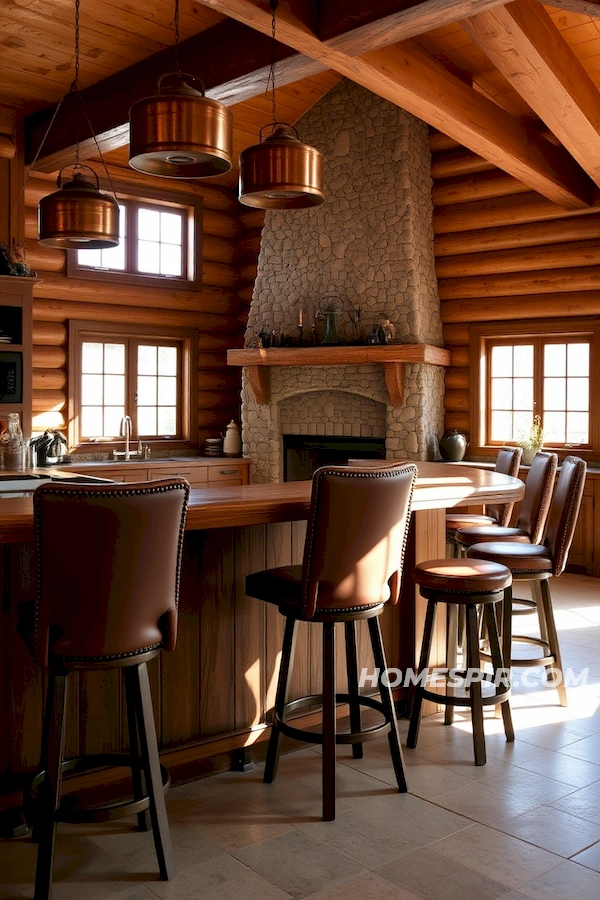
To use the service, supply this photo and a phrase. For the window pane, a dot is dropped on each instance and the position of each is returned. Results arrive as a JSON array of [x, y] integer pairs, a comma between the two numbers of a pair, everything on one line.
[[523, 394], [91, 357], [148, 225], [578, 359], [146, 360], [578, 428], [146, 420], [170, 228], [114, 359], [91, 390], [578, 394], [502, 393], [555, 359], [521, 424], [501, 426], [91, 258], [114, 390], [167, 391], [555, 393], [167, 361], [167, 420], [149, 257], [112, 420], [91, 421], [170, 259], [146, 390], [554, 427], [114, 257], [502, 361], [523, 361]]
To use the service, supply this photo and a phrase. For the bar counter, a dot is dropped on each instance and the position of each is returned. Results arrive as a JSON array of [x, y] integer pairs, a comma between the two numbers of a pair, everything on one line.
[[213, 693]]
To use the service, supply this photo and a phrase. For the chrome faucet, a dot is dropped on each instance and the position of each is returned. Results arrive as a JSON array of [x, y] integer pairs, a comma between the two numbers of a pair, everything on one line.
[[125, 431]]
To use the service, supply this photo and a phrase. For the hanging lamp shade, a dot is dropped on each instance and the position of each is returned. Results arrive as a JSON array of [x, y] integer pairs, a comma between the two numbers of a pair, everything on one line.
[[180, 133], [78, 216], [281, 172]]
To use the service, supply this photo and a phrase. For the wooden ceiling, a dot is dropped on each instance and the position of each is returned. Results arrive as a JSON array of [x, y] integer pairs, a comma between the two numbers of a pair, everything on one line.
[[518, 83]]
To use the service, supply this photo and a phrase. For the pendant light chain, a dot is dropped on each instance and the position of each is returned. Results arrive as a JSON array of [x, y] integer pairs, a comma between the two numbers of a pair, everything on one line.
[[176, 26], [270, 88], [74, 89]]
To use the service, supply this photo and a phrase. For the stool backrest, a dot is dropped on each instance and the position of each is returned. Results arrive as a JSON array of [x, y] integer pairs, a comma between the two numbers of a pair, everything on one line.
[[564, 510], [507, 462], [535, 505], [356, 536], [109, 559]]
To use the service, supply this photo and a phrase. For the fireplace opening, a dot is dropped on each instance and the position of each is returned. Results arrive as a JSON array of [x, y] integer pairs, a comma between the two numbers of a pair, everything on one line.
[[303, 453]]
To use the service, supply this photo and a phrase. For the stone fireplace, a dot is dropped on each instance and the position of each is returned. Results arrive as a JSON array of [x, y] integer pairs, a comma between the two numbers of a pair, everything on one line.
[[371, 243]]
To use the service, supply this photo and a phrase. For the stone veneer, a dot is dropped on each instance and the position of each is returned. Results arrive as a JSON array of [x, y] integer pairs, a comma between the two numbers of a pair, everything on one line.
[[372, 243]]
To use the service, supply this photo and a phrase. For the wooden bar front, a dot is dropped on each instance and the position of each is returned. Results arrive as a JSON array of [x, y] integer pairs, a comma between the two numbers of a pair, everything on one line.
[[214, 692]]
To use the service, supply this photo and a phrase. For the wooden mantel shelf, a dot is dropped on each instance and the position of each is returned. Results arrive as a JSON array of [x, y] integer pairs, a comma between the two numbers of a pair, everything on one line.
[[392, 356]]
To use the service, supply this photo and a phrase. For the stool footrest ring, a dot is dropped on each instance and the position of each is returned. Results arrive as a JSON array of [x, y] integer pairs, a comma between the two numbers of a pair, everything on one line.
[[70, 809], [501, 695], [316, 737]]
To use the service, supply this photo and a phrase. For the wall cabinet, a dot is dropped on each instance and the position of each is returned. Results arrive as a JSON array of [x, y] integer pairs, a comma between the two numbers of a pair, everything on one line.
[[16, 295], [201, 472]]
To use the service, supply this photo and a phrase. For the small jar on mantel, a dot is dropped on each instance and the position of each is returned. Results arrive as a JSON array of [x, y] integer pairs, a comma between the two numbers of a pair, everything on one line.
[[232, 440], [12, 444]]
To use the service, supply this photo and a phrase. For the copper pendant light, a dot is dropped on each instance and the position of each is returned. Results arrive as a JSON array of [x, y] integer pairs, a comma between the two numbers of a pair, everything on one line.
[[180, 133], [77, 215], [280, 172]]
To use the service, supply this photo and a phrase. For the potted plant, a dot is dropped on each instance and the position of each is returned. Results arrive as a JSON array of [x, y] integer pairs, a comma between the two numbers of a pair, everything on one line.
[[532, 441]]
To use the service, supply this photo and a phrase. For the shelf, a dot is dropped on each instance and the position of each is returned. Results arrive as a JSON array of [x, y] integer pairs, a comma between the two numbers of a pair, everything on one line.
[[392, 356]]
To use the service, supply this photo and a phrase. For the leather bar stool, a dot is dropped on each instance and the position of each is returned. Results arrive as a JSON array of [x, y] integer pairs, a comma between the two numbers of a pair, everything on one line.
[[467, 584], [109, 558], [507, 462], [538, 563], [352, 566], [533, 511]]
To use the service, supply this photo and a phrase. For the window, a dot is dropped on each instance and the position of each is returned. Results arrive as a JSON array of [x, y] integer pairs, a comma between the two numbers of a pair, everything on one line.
[[551, 374], [159, 241], [147, 376]]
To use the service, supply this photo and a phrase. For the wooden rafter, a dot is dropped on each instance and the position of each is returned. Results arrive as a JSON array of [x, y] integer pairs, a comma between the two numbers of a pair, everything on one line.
[[405, 76], [585, 7], [523, 43]]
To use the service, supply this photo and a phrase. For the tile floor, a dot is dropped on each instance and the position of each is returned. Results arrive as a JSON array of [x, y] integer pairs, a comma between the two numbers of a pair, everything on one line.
[[526, 825]]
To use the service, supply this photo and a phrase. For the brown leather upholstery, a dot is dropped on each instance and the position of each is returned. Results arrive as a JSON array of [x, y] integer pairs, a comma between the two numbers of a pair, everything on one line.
[[552, 556], [462, 576], [507, 463], [533, 511], [109, 558], [355, 542]]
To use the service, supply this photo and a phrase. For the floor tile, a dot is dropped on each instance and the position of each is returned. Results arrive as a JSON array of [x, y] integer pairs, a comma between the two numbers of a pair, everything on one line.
[[218, 879], [365, 887], [366, 843], [589, 857], [565, 882], [554, 830], [433, 876]]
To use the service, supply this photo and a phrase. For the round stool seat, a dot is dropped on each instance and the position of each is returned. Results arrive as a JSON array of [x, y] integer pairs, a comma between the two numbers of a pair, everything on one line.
[[456, 520], [520, 558], [462, 576], [476, 534]]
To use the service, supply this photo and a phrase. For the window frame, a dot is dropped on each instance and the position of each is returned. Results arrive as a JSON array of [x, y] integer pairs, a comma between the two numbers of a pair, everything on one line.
[[162, 200], [483, 337], [187, 413]]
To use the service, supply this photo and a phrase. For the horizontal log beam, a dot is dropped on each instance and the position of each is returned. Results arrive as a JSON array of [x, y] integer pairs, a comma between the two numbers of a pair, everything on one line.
[[459, 420], [212, 359], [457, 379], [553, 256], [519, 209], [7, 147], [578, 228], [456, 335], [49, 357], [49, 333], [408, 78], [476, 187], [582, 7], [458, 162], [49, 379], [48, 401], [525, 306], [551, 281]]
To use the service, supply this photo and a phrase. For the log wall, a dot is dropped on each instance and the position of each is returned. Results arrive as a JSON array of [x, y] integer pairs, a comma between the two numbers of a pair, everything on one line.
[[219, 311], [503, 253]]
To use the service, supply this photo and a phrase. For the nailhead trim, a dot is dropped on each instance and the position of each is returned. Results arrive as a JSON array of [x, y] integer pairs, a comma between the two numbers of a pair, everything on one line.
[[106, 490]]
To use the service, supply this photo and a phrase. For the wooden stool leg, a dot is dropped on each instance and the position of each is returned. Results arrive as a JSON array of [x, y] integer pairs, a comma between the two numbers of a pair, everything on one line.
[[507, 604], [415, 717], [287, 661], [473, 664], [387, 700], [139, 685], [329, 721], [352, 670], [49, 791], [497, 663], [452, 639], [137, 776], [550, 624], [536, 593]]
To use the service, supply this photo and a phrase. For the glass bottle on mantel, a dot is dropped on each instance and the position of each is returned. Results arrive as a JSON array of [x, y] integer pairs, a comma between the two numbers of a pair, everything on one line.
[[13, 444]]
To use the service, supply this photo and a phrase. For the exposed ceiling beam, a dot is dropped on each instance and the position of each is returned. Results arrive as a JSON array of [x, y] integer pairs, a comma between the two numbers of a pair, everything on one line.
[[585, 7], [523, 43], [231, 59], [232, 76], [406, 77]]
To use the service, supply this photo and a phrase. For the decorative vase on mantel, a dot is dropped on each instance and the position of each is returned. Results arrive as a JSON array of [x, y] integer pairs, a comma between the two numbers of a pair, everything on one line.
[[528, 454], [453, 446]]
